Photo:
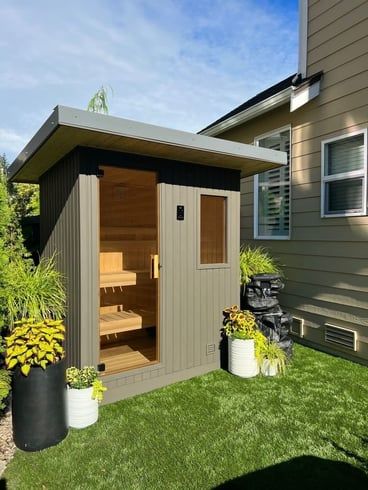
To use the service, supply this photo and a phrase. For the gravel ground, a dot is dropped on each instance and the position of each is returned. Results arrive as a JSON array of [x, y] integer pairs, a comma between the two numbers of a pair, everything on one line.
[[7, 447]]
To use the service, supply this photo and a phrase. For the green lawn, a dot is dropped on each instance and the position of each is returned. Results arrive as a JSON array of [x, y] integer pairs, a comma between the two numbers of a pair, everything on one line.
[[307, 429]]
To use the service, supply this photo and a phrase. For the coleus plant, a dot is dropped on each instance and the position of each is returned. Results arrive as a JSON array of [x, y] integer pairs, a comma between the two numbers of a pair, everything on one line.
[[35, 343]]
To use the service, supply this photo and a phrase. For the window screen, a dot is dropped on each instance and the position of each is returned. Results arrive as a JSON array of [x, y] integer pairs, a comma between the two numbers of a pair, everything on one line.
[[273, 219], [344, 176], [213, 230]]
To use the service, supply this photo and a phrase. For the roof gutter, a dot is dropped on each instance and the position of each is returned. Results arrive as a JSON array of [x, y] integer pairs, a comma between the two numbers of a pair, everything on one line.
[[257, 110]]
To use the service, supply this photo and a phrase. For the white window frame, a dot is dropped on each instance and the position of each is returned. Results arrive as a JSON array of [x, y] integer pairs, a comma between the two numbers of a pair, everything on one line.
[[342, 176], [256, 189]]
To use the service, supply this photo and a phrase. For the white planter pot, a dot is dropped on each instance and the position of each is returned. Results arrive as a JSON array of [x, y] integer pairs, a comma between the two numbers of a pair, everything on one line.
[[269, 368], [242, 361], [82, 410]]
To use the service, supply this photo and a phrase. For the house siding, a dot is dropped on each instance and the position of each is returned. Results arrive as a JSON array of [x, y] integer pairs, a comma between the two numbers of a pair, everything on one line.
[[326, 258]]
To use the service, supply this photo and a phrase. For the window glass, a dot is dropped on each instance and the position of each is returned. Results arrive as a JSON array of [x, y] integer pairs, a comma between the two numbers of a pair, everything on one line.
[[345, 155], [273, 218], [213, 230], [344, 176], [344, 195]]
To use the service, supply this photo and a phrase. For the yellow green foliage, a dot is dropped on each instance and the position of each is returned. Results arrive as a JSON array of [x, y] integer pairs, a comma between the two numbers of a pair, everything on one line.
[[256, 260], [273, 353], [86, 377], [238, 321], [34, 343], [98, 390], [5, 385], [241, 324]]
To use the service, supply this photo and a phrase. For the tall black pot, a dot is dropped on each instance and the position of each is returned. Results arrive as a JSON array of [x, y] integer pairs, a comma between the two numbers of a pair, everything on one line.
[[39, 407]]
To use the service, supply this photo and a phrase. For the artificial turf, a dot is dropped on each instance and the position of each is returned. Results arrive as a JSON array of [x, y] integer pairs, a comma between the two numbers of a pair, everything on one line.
[[306, 429]]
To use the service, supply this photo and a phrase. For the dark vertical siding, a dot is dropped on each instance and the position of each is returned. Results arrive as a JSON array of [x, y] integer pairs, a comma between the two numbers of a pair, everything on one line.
[[60, 233]]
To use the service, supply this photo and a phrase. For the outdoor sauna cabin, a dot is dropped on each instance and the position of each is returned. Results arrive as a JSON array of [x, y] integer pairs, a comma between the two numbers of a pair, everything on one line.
[[145, 223]]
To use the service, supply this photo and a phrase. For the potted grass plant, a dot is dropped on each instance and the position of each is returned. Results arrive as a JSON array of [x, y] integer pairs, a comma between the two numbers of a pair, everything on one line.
[[273, 359], [255, 260], [245, 342], [85, 392], [36, 356], [34, 305]]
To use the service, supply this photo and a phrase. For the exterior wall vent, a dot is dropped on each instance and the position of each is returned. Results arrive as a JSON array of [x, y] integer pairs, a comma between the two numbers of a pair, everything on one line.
[[211, 349], [341, 336], [297, 326]]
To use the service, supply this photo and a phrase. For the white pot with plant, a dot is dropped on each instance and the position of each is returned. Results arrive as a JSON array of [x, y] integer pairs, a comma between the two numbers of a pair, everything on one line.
[[244, 342], [273, 359], [85, 392]]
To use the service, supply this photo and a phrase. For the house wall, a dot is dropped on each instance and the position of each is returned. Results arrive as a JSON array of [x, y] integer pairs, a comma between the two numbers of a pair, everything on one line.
[[191, 298], [326, 258]]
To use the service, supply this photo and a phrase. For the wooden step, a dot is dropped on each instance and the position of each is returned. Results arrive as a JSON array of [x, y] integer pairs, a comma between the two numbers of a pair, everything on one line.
[[114, 279], [128, 356], [124, 321]]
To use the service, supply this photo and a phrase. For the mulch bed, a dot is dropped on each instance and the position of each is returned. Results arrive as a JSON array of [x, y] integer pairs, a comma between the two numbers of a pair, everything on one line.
[[7, 447]]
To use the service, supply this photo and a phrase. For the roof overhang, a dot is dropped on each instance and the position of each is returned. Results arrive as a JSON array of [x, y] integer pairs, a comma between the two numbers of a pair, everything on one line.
[[256, 110], [68, 128]]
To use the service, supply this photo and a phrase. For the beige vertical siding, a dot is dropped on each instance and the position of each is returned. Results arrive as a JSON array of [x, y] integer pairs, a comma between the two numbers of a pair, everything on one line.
[[89, 269], [326, 258], [191, 299]]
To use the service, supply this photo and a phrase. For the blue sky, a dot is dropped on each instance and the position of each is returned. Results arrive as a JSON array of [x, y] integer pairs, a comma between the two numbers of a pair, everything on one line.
[[175, 63]]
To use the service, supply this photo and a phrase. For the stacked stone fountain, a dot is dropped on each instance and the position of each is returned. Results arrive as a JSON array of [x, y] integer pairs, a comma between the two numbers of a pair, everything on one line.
[[261, 298]]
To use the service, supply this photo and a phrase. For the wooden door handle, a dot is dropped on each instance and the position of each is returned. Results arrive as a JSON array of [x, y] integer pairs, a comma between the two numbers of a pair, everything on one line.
[[154, 267]]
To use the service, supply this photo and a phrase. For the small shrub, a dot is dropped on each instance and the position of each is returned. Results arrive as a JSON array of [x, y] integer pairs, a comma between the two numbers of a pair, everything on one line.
[[239, 324], [34, 343], [81, 378], [256, 260], [86, 377], [5, 386], [273, 353]]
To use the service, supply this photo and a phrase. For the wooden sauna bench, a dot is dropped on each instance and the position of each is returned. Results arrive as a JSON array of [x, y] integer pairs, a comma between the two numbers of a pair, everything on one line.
[[136, 352], [125, 321]]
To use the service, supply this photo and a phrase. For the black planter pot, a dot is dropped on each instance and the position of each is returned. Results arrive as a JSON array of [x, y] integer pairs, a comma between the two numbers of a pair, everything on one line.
[[39, 407]]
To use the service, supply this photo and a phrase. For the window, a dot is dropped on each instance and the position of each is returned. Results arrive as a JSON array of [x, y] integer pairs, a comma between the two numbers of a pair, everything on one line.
[[213, 230], [272, 191], [344, 175]]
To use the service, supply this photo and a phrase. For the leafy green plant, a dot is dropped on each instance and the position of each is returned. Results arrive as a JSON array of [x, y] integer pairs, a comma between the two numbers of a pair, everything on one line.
[[85, 377], [36, 292], [272, 352], [5, 386], [11, 243], [99, 101], [241, 324], [256, 260], [33, 343], [98, 390]]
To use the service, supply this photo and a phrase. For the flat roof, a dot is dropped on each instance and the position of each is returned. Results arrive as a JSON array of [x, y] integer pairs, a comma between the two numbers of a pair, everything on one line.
[[68, 128]]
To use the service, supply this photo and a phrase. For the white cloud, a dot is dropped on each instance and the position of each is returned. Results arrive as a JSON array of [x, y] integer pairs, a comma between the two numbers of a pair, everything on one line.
[[178, 63]]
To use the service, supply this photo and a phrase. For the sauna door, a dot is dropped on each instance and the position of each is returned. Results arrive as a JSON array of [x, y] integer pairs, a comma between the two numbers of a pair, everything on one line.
[[128, 269]]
